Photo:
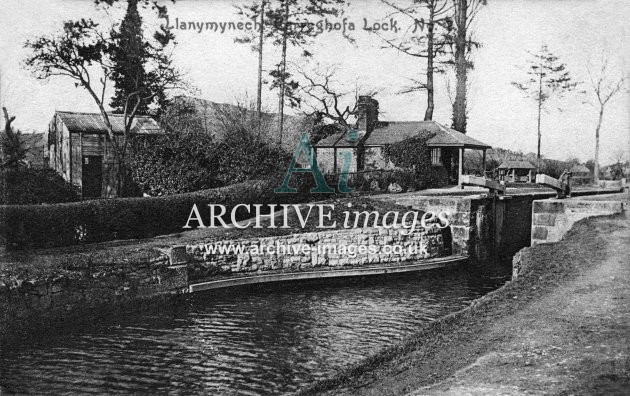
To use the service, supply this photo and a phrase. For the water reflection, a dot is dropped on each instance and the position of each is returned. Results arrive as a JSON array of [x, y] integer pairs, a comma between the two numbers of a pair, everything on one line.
[[257, 340]]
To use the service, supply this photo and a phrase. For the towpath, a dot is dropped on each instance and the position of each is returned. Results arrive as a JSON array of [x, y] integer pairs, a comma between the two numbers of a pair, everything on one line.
[[562, 328]]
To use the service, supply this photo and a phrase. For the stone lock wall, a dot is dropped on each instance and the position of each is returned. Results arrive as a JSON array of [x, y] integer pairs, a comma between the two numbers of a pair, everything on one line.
[[203, 264], [84, 288], [553, 218], [484, 228], [462, 219]]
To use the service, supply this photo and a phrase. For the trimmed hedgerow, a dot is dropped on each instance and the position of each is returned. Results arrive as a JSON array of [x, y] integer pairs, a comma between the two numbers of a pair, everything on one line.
[[37, 226]]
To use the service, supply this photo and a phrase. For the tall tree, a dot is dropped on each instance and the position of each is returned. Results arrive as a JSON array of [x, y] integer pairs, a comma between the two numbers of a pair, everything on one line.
[[464, 12], [139, 62], [128, 56], [435, 17], [256, 12], [286, 23], [604, 88], [548, 78]]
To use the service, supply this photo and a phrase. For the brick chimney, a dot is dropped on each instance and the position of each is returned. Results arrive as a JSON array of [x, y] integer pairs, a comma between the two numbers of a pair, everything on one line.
[[367, 114]]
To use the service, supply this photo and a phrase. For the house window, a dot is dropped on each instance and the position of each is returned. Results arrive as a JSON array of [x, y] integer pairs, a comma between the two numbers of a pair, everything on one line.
[[436, 156]]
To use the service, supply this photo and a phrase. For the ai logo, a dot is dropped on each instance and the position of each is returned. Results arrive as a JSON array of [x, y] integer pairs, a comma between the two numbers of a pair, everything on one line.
[[304, 146]]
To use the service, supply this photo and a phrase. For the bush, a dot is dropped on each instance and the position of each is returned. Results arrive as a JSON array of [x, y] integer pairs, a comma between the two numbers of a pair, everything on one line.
[[30, 226], [413, 156], [243, 156], [172, 164], [25, 186], [437, 176], [177, 163]]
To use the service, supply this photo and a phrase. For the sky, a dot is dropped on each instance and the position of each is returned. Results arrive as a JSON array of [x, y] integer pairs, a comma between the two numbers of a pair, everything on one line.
[[579, 32]]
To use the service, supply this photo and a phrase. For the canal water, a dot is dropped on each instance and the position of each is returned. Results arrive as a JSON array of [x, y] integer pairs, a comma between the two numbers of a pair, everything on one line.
[[257, 340]]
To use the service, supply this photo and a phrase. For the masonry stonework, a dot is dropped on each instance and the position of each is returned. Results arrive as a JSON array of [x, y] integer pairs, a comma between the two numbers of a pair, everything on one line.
[[85, 287], [332, 252], [553, 218]]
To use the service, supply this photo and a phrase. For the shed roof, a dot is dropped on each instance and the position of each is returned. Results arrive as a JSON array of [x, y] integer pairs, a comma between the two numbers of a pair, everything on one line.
[[393, 132], [579, 168], [520, 164], [93, 123]]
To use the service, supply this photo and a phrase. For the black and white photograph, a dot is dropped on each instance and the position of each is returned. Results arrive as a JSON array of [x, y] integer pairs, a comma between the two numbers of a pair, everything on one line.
[[315, 197]]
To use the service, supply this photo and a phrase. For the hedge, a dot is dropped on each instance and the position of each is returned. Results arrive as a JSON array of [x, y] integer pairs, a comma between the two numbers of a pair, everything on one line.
[[38, 226], [27, 186]]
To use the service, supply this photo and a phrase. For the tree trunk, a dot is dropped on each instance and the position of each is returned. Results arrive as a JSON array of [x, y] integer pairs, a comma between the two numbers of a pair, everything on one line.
[[120, 176], [461, 67], [599, 125], [428, 115], [110, 135], [283, 66], [260, 64], [540, 100]]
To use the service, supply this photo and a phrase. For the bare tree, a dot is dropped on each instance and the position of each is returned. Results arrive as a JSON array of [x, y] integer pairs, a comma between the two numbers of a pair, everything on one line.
[[326, 99], [605, 88]]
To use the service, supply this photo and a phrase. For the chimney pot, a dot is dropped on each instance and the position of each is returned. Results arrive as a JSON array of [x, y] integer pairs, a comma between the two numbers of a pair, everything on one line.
[[367, 114]]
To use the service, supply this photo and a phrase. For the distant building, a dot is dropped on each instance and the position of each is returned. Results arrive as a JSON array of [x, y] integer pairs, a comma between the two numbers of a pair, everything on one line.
[[78, 149], [516, 171], [580, 174], [367, 147]]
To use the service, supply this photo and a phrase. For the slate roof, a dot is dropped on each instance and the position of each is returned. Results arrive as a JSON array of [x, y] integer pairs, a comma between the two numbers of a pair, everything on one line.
[[93, 123], [393, 132], [516, 165]]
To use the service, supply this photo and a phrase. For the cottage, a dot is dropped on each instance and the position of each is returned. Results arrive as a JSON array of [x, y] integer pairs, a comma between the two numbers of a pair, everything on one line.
[[367, 144], [78, 149], [516, 171]]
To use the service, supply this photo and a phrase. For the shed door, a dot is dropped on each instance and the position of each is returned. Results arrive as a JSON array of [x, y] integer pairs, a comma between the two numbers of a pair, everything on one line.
[[92, 176]]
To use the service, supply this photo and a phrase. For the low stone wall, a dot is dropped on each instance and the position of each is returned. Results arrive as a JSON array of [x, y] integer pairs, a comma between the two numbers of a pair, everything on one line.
[[311, 250], [553, 218], [85, 288]]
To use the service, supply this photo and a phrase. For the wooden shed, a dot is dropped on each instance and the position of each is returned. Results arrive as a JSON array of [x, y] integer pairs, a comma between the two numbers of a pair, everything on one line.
[[78, 149]]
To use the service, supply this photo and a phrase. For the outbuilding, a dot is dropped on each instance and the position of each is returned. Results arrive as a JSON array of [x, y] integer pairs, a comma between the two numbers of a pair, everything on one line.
[[580, 174], [516, 171], [79, 150]]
